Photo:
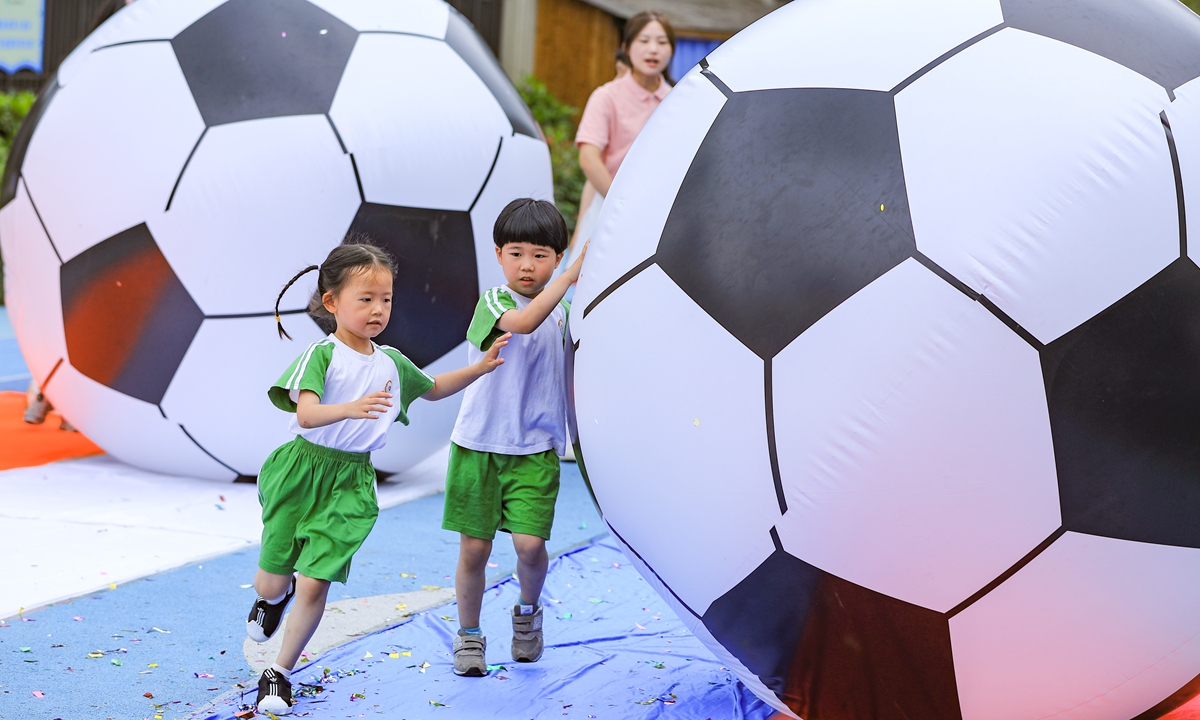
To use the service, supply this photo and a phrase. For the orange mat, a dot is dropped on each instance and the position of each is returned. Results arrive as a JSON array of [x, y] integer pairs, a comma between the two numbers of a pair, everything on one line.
[[25, 445]]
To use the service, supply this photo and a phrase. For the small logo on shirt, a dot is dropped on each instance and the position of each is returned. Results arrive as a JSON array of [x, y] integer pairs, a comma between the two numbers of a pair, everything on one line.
[[388, 388]]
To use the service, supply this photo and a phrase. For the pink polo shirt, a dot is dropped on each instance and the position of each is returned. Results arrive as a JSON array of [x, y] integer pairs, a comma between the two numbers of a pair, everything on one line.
[[615, 114]]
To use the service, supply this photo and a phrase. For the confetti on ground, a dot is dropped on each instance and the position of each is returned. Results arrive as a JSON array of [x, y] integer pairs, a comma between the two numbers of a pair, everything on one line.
[[95, 654], [160, 630], [148, 695], [39, 694], [78, 618], [430, 588], [112, 586]]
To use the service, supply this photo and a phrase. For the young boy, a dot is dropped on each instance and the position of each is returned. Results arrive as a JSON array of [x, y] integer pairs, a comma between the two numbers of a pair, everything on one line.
[[504, 450]]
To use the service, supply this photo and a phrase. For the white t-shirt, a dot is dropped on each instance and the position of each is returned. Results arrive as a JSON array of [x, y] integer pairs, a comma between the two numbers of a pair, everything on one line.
[[338, 374], [520, 407]]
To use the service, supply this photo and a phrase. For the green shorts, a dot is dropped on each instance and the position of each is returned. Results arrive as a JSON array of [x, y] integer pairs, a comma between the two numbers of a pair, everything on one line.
[[489, 491], [318, 506]]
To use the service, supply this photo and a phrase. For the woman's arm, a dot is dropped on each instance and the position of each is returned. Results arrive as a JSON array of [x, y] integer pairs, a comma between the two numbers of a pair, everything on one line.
[[585, 201], [593, 167]]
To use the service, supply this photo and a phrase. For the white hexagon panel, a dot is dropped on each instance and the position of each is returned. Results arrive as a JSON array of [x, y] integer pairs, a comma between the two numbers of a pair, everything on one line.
[[193, 155], [871, 405], [723, 526], [1039, 174]]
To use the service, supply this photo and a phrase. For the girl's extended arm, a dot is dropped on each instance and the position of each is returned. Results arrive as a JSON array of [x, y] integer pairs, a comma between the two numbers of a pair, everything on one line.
[[310, 413], [448, 383], [528, 318]]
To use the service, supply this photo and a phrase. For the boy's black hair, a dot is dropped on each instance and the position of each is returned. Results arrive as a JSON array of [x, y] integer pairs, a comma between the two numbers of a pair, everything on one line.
[[531, 221], [356, 254]]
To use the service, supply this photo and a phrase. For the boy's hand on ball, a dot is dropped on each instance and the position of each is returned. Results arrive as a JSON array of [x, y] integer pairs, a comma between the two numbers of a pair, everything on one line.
[[573, 271], [370, 406], [492, 360]]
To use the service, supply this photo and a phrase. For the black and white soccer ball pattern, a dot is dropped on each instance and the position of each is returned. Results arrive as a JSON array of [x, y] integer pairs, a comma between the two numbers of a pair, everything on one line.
[[888, 357], [192, 155]]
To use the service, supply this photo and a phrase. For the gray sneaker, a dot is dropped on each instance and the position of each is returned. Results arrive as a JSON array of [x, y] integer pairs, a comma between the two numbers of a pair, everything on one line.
[[527, 635], [469, 655], [35, 414]]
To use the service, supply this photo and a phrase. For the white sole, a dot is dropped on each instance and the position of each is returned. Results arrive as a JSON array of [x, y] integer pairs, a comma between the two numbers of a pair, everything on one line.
[[255, 633], [275, 706]]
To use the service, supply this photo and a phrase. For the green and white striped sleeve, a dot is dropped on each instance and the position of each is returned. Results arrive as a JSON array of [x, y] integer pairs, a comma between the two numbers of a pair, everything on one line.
[[414, 382], [492, 304], [306, 373]]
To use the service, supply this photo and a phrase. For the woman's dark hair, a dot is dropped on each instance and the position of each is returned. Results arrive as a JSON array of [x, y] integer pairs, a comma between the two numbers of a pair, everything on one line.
[[356, 254], [531, 221], [637, 23], [623, 58]]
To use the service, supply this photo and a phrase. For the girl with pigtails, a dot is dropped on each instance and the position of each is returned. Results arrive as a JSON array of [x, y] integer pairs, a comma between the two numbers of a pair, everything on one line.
[[318, 491]]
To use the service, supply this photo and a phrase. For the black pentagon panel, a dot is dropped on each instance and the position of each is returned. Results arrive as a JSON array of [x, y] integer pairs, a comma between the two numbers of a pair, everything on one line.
[[1159, 39], [20, 143], [1124, 398], [794, 202], [832, 650], [127, 318], [251, 59], [762, 619], [437, 283], [471, 47]]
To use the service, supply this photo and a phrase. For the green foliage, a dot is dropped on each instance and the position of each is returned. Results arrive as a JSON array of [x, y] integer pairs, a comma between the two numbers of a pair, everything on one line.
[[558, 123], [13, 109]]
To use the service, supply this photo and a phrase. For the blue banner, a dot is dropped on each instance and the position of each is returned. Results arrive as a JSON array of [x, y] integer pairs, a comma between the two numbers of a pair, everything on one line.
[[22, 29]]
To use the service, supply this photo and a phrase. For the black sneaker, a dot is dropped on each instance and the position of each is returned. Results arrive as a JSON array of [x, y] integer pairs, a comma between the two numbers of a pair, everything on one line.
[[264, 617], [274, 693]]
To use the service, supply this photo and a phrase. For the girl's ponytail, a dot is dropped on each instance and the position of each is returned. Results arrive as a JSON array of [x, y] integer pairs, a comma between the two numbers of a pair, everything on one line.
[[278, 321]]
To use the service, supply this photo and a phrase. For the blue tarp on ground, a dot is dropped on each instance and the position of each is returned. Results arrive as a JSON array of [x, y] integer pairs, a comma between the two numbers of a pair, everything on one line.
[[14, 375], [614, 650]]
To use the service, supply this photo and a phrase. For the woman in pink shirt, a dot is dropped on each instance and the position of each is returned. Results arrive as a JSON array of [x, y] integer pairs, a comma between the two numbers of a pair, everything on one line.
[[617, 110]]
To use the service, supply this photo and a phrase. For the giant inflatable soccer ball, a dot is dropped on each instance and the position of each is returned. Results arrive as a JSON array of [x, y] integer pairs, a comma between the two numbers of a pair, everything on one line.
[[192, 155], [888, 362]]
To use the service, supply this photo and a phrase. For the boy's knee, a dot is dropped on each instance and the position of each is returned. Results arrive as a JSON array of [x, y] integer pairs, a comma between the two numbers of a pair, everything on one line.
[[473, 550], [310, 590], [529, 548]]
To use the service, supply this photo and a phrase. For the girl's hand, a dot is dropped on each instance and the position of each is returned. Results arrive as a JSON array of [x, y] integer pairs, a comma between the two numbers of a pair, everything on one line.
[[573, 271], [369, 407], [492, 359]]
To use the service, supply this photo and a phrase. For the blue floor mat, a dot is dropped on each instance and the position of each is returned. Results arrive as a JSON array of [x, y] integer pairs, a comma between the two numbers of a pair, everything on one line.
[[14, 375], [614, 650]]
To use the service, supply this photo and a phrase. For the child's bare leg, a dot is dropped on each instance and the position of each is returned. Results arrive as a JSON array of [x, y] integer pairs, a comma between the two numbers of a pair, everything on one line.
[[271, 587], [470, 578], [302, 622], [532, 562]]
